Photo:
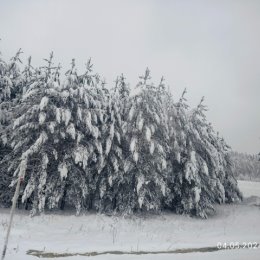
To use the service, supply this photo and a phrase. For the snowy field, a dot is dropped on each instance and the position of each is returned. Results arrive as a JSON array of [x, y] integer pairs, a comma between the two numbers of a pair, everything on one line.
[[57, 233]]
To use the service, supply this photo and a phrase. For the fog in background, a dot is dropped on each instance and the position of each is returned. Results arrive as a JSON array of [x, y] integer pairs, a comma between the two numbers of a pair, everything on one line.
[[210, 47]]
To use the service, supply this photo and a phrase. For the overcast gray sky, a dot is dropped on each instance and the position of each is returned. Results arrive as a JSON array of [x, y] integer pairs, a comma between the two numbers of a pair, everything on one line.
[[210, 47]]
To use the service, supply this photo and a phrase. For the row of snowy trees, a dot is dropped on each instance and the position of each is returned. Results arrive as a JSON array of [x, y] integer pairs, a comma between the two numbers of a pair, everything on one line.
[[246, 166], [77, 143]]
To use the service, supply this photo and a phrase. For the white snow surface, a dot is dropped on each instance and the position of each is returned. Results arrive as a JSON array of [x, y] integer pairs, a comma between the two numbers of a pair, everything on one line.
[[152, 147], [140, 182], [42, 118], [71, 130], [148, 134], [64, 232], [63, 170], [66, 116], [140, 124], [133, 144], [205, 168], [44, 102], [197, 194]]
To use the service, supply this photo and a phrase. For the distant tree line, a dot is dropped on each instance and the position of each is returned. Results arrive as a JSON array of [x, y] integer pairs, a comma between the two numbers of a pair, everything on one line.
[[246, 166]]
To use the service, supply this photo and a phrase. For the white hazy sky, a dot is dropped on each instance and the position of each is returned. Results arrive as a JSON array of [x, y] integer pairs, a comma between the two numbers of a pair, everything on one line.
[[210, 47]]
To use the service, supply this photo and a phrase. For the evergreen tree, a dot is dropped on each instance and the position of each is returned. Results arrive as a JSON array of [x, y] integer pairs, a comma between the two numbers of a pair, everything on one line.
[[10, 78], [56, 140], [112, 177], [214, 181], [146, 161], [179, 194]]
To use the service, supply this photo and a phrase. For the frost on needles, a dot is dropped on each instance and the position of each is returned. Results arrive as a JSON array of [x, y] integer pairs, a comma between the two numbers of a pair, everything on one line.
[[78, 143]]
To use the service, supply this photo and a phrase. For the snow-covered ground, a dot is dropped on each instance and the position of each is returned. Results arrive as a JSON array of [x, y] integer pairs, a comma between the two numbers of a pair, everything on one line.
[[91, 232]]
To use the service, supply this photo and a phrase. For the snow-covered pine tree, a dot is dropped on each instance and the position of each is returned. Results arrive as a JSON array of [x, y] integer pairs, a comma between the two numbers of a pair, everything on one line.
[[173, 152], [84, 97], [10, 79], [232, 192], [113, 181], [56, 140], [28, 76], [208, 168], [195, 183], [180, 191], [28, 137], [145, 166]]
